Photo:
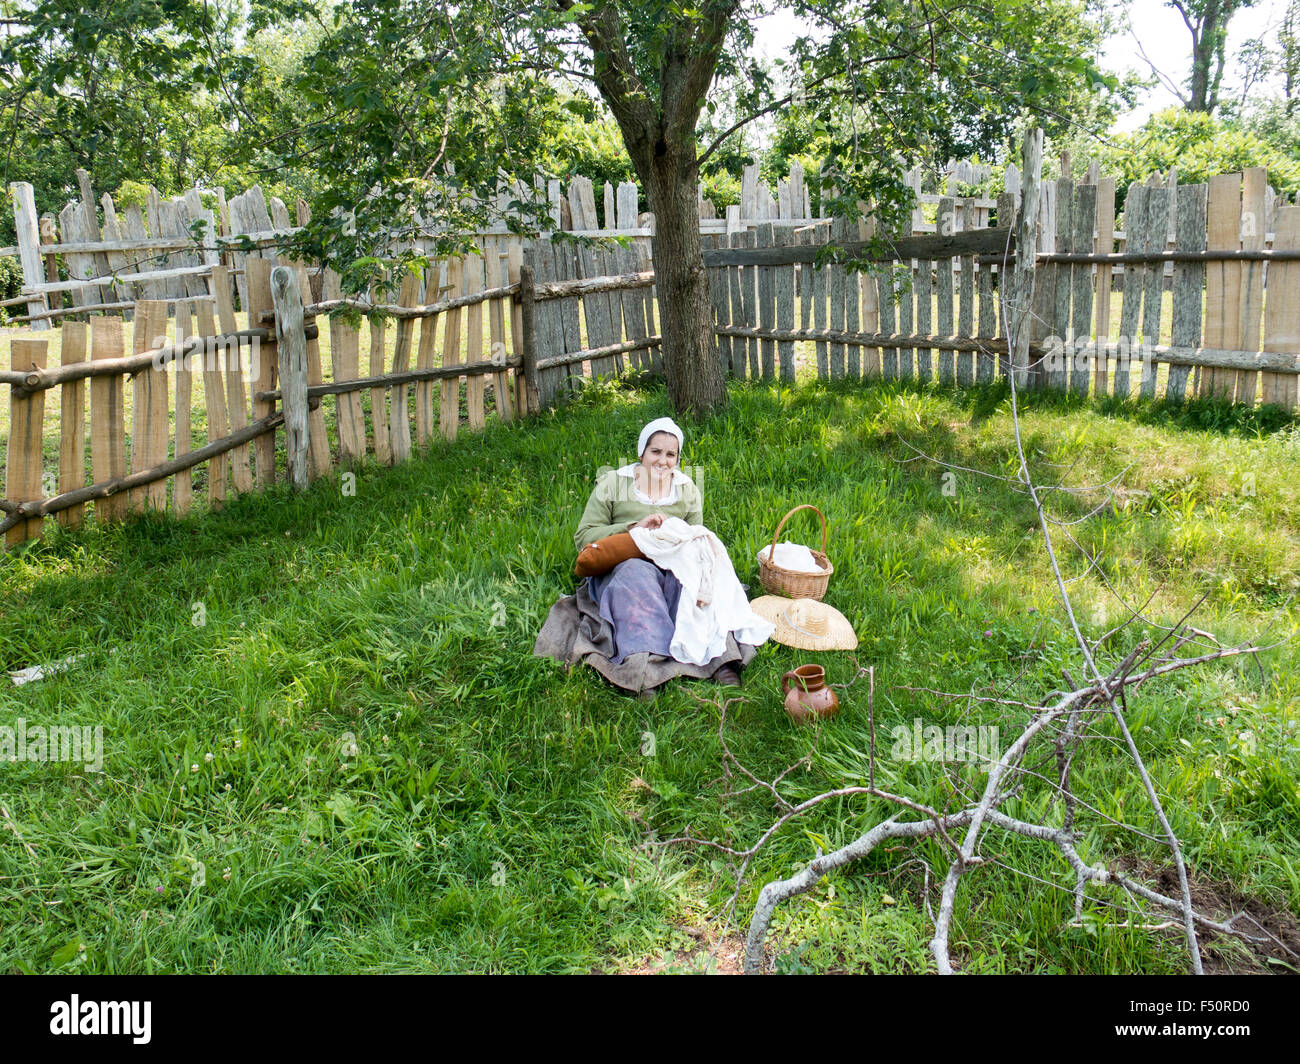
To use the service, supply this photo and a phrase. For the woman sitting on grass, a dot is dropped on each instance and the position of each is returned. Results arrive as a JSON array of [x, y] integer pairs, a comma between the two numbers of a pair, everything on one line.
[[622, 622]]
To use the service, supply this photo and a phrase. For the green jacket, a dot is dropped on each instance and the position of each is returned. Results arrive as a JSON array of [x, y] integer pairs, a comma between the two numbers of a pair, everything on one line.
[[613, 507]]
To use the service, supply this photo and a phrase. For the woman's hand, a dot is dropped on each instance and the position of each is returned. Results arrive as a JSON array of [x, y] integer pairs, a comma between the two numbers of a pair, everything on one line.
[[650, 521]]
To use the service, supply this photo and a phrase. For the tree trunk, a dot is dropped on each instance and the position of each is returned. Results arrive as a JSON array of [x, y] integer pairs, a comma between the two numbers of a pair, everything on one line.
[[1202, 57], [691, 364], [1209, 42], [1290, 45], [660, 139]]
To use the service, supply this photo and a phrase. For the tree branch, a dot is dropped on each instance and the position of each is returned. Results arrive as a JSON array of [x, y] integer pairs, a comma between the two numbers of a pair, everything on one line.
[[682, 104], [1167, 81], [616, 78], [722, 137]]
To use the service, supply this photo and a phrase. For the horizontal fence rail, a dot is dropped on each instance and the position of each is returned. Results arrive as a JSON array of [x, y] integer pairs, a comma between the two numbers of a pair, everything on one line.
[[979, 241]]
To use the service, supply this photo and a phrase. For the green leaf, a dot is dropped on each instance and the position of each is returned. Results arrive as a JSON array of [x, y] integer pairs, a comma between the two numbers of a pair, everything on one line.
[[66, 953]]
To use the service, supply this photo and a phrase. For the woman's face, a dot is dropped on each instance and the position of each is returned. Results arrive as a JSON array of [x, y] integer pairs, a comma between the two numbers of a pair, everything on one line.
[[661, 453]]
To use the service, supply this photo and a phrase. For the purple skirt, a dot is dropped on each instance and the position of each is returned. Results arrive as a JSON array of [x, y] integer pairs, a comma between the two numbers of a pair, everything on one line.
[[639, 600], [622, 623]]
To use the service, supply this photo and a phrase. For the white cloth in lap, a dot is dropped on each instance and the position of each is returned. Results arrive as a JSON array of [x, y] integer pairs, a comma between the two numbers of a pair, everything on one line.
[[712, 603]]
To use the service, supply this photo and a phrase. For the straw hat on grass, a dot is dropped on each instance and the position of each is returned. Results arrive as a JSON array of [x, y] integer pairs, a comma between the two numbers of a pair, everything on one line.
[[806, 624]]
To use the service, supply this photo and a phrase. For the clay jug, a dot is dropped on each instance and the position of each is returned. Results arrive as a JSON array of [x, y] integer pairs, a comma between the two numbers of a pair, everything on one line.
[[806, 694]]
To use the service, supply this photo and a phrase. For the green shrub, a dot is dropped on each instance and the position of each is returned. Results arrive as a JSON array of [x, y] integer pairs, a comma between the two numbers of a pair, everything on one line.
[[1200, 146], [722, 190], [131, 194], [11, 281]]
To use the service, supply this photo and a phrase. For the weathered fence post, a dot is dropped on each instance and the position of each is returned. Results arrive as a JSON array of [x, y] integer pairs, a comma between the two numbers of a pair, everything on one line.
[[1006, 277], [28, 229], [528, 344], [1022, 294], [399, 419], [1222, 281], [1081, 241], [74, 348], [107, 417], [515, 262], [1253, 222], [291, 345], [497, 338], [23, 480], [257, 274], [1104, 243], [1189, 282], [449, 402], [50, 235], [947, 370], [150, 419], [183, 485], [1282, 314]]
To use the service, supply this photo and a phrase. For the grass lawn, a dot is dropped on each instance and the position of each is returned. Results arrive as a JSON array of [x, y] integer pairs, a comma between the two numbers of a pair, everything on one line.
[[328, 748]]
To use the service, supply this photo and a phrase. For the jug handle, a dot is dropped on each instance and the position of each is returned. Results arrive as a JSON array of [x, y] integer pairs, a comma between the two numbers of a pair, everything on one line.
[[785, 682]]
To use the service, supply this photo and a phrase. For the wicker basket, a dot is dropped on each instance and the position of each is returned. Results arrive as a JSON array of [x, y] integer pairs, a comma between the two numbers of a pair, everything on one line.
[[789, 582]]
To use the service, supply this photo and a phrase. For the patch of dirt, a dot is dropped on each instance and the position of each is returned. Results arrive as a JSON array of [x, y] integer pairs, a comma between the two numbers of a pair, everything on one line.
[[707, 954], [1274, 944]]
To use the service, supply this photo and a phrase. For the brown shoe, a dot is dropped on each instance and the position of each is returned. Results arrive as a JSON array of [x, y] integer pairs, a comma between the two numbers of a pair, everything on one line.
[[727, 676]]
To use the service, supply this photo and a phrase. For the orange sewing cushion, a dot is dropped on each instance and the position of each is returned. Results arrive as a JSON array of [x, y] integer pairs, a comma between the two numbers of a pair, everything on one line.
[[600, 557]]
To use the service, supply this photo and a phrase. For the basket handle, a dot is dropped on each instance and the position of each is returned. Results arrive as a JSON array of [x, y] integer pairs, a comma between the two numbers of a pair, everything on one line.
[[771, 554]]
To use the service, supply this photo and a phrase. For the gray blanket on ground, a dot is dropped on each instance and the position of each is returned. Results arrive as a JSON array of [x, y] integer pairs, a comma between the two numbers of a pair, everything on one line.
[[576, 632]]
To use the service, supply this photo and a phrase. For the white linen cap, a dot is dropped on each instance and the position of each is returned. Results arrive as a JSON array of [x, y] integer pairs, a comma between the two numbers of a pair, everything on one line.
[[663, 424]]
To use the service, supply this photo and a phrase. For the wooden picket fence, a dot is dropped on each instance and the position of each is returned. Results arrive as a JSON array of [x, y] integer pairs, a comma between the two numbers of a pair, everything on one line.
[[134, 453], [919, 316], [467, 344], [114, 255], [936, 307], [513, 331]]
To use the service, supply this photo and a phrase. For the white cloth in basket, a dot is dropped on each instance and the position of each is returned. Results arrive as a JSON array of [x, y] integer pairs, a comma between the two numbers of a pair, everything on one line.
[[793, 556]]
